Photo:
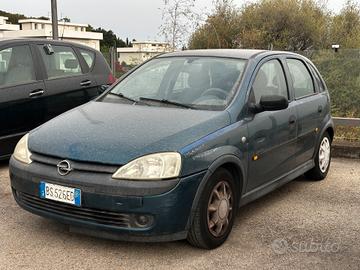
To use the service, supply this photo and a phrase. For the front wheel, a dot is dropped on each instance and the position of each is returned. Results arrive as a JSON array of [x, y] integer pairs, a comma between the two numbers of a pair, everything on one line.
[[322, 160], [215, 212]]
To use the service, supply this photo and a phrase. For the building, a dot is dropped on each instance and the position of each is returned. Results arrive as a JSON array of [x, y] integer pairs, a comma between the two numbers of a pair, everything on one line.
[[141, 51], [75, 32], [4, 26]]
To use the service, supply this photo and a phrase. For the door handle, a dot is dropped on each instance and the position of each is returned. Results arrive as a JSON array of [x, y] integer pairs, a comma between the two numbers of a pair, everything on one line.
[[85, 83], [36, 93], [320, 109], [292, 120]]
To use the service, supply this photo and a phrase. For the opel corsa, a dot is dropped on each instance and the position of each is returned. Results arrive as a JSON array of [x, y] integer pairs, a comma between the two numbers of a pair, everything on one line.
[[178, 145]]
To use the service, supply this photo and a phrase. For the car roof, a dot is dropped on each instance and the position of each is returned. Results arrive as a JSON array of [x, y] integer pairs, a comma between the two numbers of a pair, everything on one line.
[[229, 53], [36, 40]]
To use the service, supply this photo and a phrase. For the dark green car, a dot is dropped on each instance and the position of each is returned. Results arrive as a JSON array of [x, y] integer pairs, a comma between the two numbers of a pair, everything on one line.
[[174, 148]]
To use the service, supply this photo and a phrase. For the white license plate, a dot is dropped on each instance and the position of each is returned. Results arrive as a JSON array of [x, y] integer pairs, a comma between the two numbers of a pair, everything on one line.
[[60, 193]]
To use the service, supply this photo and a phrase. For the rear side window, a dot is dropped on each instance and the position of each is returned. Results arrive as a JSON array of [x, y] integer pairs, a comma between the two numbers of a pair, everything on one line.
[[318, 79], [61, 62], [16, 66], [89, 57], [302, 81], [270, 80]]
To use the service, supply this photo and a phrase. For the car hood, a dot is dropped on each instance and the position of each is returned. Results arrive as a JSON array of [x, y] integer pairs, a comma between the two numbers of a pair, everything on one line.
[[117, 133]]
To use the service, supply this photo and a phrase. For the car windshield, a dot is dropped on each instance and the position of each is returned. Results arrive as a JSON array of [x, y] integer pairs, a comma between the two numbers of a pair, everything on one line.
[[207, 83]]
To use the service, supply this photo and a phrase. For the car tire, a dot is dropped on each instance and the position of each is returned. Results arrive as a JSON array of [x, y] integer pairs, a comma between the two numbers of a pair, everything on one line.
[[322, 160], [215, 213]]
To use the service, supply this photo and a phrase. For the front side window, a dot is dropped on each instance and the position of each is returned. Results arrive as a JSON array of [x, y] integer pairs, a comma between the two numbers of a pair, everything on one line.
[[16, 66], [270, 80], [198, 82], [302, 81], [60, 62]]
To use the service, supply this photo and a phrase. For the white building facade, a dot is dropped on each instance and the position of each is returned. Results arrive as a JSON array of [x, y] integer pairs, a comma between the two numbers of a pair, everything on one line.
[[141, 51], [5, 27], [35, 28]]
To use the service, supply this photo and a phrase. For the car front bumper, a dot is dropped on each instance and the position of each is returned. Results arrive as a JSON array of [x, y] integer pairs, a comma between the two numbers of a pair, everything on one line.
[[108, 212]]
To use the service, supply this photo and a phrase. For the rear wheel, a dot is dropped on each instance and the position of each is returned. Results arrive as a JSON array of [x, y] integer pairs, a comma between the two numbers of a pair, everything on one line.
[[215, 212], [322, 160]]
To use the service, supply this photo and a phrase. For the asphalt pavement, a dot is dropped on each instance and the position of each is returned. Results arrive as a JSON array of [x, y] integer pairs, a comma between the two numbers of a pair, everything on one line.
[[303, 225]]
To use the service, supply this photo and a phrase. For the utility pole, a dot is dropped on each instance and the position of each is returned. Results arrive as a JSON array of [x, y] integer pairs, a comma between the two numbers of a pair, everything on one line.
[[54, 18]]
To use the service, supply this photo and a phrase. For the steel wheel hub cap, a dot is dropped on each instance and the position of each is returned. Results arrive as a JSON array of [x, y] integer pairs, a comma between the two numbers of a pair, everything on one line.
[[324, 154], [223, 209], [220, 209]]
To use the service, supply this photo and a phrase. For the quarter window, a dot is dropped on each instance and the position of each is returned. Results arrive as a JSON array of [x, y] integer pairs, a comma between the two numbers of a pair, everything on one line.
[[62, 62], [16, 66], [270, 80], [302, 81], [318, 80], [89, 57]]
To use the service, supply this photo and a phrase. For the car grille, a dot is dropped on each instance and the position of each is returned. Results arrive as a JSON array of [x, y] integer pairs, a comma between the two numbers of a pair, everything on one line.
[[76, 165], [85, 214]]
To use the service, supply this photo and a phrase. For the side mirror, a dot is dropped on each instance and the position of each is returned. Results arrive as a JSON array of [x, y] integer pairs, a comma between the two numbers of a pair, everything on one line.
[[270, 103]]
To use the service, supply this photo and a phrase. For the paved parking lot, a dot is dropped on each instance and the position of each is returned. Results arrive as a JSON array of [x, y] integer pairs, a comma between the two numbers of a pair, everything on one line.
[[303, 225]]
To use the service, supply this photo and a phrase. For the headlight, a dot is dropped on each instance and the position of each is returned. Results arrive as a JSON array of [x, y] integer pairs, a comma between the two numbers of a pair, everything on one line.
[[151, 167], [22, 152]]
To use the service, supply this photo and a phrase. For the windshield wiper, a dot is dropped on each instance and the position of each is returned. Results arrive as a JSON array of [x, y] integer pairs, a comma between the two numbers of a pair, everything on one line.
[[121, 95], [166, 101]]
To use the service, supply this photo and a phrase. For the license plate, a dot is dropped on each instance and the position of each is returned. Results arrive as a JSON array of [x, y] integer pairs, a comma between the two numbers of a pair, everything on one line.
[[60, 193]]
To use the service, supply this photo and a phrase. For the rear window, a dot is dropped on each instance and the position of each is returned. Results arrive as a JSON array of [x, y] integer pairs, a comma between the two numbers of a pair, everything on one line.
[[61, 63], [89, 57]]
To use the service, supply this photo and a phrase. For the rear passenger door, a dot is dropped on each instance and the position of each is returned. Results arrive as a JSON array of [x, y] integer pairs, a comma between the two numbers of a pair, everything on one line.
[[21, 90], [309, 107], [69, 82], [272, 134]]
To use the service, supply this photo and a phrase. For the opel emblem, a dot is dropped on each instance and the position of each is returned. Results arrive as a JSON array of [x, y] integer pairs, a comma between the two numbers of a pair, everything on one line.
[[64, 167]]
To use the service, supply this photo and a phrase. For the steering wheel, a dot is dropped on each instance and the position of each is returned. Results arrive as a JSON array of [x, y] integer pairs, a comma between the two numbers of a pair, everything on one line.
[[216, 92]]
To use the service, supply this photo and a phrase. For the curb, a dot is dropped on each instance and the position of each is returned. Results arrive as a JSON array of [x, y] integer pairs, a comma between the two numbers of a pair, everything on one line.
[[346, 150]]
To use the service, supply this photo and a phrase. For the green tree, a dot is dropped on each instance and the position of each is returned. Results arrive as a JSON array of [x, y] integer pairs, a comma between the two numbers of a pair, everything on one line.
[[220, 30], [284, 24], [266, 24], [345, 27], [109, 39], [13, 18]]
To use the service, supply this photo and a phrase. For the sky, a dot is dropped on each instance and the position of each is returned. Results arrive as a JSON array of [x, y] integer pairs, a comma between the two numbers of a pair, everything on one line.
[[139, 19]]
